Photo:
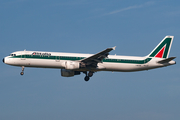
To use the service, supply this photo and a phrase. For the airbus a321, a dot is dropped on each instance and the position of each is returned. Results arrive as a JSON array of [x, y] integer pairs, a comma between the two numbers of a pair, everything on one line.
[[74, 63]]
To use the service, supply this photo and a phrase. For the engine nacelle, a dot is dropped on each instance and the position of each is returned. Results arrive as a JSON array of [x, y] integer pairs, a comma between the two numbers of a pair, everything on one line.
[[69, 73], [71, 65]]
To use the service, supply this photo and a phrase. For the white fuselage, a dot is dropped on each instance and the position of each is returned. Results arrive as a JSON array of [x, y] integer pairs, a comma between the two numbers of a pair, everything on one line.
[[57, 60]]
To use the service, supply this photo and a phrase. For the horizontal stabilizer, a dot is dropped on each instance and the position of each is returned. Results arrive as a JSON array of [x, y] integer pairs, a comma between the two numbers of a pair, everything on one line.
[[166, 60]]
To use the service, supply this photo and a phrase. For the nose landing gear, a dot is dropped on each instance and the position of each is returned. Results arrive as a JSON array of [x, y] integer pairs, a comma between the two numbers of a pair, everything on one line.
[[22, 73]]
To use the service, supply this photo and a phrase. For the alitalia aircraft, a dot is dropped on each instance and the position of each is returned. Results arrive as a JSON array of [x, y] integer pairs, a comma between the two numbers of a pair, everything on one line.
[[74, 63]]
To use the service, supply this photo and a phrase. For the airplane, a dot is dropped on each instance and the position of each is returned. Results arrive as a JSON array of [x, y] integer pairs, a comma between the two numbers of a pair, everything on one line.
[[72, 64]]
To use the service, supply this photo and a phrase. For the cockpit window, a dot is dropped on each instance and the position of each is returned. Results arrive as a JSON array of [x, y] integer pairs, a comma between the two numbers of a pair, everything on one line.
[[12, 54]]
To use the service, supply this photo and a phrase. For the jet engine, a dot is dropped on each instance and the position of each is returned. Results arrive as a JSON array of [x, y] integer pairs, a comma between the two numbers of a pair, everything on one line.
[[69, 73], [71, 65]]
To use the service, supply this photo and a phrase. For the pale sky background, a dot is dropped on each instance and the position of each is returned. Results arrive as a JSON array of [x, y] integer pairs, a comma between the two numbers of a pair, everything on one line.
[[89, 26]]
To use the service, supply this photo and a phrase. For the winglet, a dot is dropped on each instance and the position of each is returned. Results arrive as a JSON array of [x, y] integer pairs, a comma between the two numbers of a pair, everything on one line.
[[114, 47]]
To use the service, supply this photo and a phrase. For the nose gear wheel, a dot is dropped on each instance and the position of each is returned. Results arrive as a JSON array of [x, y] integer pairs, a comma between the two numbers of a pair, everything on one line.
[[22, 73]]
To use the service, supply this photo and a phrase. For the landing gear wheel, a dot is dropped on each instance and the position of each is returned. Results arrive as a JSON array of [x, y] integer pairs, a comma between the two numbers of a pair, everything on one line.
[[90, 74], [86, 78], [22, 73]]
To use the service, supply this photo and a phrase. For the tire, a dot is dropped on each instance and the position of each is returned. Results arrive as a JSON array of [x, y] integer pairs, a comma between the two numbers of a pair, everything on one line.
[[22, 73], [86, 78]]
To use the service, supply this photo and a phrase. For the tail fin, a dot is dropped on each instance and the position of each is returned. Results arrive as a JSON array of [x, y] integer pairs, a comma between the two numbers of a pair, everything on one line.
[[163, 48]]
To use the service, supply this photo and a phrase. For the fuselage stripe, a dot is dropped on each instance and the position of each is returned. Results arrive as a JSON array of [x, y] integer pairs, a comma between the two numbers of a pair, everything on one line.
[[112, 60]]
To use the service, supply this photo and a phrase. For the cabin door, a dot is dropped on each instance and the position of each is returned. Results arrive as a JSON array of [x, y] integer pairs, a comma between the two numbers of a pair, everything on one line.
[[57, 58]]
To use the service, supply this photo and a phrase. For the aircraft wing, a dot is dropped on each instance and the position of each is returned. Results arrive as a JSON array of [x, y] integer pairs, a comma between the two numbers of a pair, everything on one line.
[[96, 58]]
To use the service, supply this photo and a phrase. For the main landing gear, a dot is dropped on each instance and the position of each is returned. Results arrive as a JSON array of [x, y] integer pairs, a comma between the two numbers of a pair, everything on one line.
[[22, 73], [88, 75]]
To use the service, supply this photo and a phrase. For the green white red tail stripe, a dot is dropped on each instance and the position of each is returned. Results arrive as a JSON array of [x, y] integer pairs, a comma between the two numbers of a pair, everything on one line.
[[160, 53], [163, 48]]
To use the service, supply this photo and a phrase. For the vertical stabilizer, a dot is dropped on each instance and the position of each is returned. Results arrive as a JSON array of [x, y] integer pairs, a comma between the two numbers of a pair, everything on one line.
[[163, 48]]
